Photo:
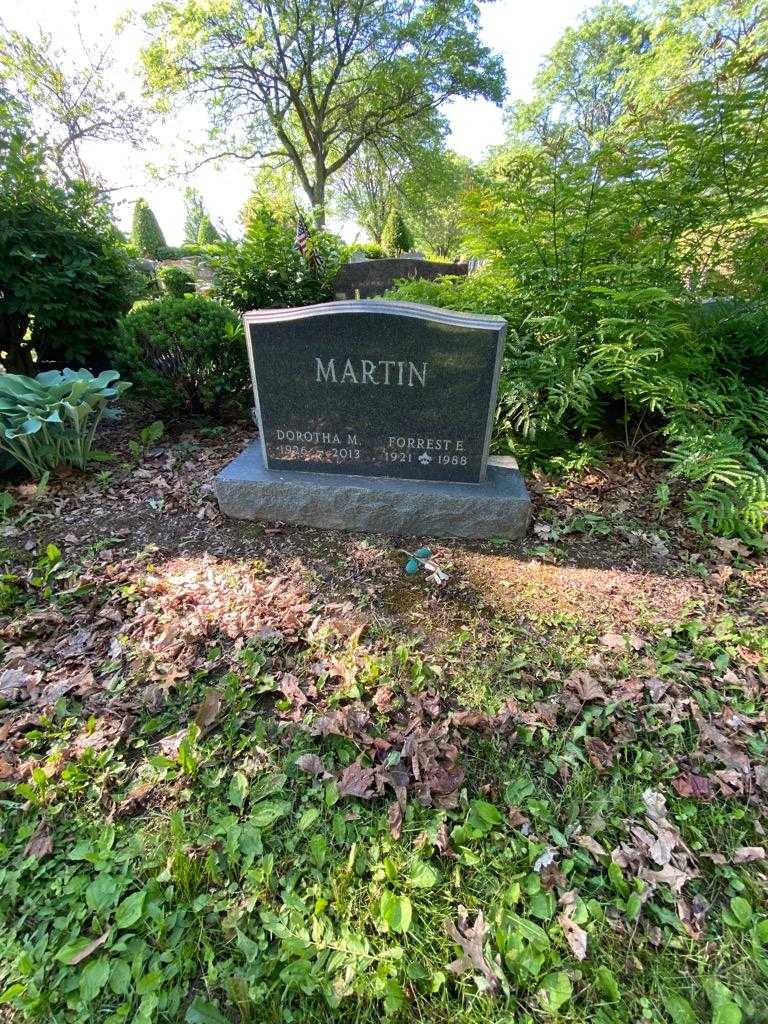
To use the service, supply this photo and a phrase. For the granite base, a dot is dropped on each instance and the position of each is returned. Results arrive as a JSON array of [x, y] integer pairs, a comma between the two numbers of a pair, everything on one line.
[[498, 507]]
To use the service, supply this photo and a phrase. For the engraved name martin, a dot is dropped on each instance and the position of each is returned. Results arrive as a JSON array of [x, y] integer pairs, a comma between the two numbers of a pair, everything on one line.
[[397, 372]]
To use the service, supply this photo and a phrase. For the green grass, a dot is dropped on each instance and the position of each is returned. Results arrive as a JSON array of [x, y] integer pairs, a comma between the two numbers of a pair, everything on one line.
[[243, 889]]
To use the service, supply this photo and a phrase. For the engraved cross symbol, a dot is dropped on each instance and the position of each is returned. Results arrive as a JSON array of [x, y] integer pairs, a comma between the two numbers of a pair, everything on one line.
[[425, 458]]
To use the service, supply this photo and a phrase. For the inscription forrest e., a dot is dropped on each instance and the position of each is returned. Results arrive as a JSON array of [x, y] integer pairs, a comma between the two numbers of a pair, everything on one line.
[[375, 388]]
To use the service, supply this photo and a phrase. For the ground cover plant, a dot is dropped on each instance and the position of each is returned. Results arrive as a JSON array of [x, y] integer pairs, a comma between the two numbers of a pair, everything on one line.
[[260, 773]]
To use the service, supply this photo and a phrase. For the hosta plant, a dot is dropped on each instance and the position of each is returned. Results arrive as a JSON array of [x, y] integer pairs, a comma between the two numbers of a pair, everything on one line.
[[51, 419]]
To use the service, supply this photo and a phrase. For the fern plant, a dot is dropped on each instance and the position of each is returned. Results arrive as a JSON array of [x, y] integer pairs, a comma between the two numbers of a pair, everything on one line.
[[614, 358]]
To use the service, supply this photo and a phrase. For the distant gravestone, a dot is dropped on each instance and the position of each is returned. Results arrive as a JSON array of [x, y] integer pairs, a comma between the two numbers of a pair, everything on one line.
[[376, 415], [368, 278]]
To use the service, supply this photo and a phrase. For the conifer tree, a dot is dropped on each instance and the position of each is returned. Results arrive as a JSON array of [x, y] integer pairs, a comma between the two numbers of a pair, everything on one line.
[[207, 233], [146, 234], [194, 211], [396, 238]]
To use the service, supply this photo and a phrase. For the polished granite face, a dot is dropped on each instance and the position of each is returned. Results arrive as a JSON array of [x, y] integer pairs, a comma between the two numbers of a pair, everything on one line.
[[374, 393]]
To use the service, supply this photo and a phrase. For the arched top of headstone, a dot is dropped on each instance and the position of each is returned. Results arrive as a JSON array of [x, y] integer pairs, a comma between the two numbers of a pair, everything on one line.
[[378, 307]]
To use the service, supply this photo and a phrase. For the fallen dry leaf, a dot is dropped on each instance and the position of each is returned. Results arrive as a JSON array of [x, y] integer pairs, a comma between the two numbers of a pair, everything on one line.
[[697, 787], [575, 936], [545, 859], [134, 799], [442, 840], [395, 817], [600, 754], [746, 854], [106, 731], [675, 878], [357, 781], [41, 843], [613, 641], [90, 948], [208, 713], [692, 915], [585, 686], [311, 763], [471, 942], [590, 845], [730, 547]]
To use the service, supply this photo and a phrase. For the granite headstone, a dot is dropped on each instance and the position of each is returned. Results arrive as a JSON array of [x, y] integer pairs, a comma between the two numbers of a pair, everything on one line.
[[376, 415]]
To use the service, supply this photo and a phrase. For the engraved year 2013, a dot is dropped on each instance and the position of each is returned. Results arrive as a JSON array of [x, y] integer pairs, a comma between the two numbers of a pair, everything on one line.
[[326, 454]]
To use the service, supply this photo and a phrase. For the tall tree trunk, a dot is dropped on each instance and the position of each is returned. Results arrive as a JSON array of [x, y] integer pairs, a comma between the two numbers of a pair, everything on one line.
[[318, 197]]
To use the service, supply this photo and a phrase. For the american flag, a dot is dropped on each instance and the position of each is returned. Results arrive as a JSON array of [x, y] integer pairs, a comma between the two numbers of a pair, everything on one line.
[[306, 246], [302, 236]]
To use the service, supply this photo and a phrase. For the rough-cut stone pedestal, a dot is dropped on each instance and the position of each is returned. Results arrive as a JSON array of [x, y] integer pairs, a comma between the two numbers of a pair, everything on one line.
[[498, 507]]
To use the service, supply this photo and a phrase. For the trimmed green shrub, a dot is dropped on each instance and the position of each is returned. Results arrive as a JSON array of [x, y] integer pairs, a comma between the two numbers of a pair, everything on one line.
[[146, 234], [265, 271], [176, 281], [50, 420], [396, 238], [185, 346], [65, 273], [372, 250], [206, 232]]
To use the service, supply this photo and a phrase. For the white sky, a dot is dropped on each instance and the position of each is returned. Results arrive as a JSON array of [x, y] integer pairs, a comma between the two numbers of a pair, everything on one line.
[[522, 31]]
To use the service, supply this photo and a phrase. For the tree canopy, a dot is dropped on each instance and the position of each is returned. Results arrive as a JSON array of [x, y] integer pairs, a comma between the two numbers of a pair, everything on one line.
[[315, 80], [67, 103]]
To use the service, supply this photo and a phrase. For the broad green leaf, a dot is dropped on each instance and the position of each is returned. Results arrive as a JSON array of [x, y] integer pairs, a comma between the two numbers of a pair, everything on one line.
[[423, 875], [394, 997], [396, 911], [543, 905], [318, 849], [724, 1009], [149, 983], [201, 1012], [268, 785], [742, 911], [634, 906], [727, 1013], [101, 893], [555, 990], [308, 818], [679, 1009], [120, 977], [484, 815], [617, 880], [77, 951], [607, 984], [93, 978], [530, 931], [12, 992], [238, 789], [265, 814], [130, 910]]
